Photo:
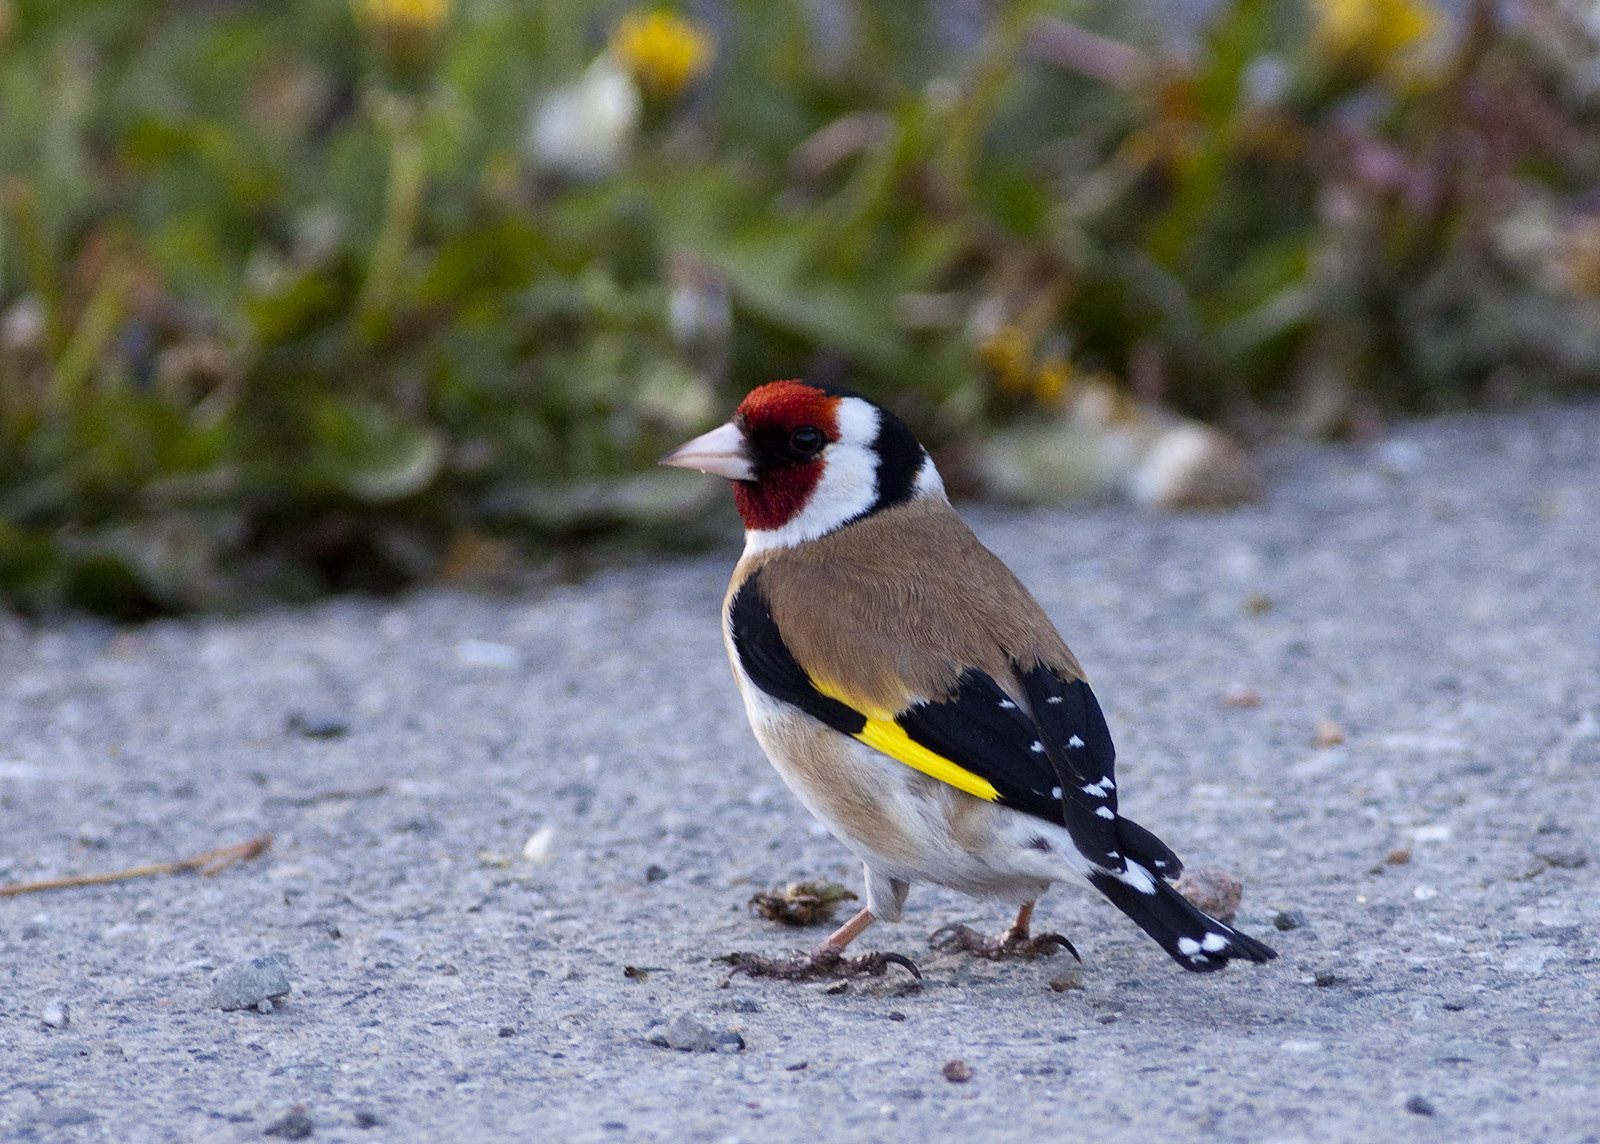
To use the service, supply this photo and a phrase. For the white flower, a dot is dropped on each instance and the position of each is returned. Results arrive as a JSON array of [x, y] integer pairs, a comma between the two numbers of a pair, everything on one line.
[[584, 130]]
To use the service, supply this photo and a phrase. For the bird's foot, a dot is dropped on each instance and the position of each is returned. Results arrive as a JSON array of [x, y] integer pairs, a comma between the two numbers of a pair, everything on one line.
[[820, 964], [1011, 944]]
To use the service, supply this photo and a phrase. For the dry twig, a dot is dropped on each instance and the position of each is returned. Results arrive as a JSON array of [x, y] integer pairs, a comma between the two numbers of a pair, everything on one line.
[[211, 863]]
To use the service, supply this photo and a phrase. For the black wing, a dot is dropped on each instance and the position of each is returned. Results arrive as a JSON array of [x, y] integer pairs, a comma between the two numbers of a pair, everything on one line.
[[1056, 766]]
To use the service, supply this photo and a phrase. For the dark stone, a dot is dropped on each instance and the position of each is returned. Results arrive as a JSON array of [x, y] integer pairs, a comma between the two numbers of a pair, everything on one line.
[[295, 1125], [316, 725]]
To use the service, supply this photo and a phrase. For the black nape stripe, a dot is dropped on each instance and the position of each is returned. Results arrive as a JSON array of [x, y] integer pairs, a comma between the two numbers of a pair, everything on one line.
[[766, 659], [900, 457]]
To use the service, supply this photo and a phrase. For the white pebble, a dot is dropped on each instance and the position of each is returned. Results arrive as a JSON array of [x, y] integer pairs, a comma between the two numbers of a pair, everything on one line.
[[537, 848], [485, 653], [56, 1015]]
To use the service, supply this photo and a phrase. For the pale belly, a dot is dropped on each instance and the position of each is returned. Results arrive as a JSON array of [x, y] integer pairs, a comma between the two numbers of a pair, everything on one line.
[[903, 824]]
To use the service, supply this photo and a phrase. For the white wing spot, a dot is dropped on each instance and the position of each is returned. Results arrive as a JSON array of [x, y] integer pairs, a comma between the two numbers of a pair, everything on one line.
[[1074, 742], [1007, 705], [1055, 792], [1105, 812], [1188, 946], [1138, 877], [1094, 789], [1053, 699], [1036, 747], [1214, 942]]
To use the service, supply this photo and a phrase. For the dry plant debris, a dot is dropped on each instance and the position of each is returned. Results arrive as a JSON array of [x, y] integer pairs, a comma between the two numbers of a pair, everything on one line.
[[211, 863], [801, 903]]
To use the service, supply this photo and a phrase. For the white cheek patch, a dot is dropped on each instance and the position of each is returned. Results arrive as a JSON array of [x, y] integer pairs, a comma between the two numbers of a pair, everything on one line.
[[848, 488]]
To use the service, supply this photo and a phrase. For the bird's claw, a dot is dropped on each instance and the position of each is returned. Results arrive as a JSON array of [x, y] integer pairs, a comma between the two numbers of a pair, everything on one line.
[[965, 939], [818, 965]]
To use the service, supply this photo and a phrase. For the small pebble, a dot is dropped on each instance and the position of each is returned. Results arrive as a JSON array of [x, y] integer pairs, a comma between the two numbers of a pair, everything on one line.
[[654, 873], [957, 1071], [896, 1015], [743, 1004], [1329, 734], [1398, 857], [1216, 892], [1242, 698], [487, 653], [56, 1015], [537, 848], [1288, 919], [246, 984], [1421, 1105], [316, 725], [798, 1066], [1325, 978], [295, 1125], [687, 1035], [1067, 979], [365, 1119], [507, 1031], [837, 988]]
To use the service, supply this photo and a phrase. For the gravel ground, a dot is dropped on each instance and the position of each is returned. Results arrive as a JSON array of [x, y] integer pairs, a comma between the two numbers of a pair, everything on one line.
[[1433, 600]]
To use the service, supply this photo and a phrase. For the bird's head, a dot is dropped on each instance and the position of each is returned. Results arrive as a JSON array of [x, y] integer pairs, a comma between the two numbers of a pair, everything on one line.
[[805, 459]]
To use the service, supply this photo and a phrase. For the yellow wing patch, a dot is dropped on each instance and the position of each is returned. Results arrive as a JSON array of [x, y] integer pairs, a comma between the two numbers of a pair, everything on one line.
[[882, 733]]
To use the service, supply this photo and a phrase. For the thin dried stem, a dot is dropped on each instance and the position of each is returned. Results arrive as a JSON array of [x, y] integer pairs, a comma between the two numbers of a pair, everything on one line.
[[211, 863]]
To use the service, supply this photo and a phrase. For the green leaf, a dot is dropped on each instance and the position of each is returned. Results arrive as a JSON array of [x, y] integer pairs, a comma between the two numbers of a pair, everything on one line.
[[367, 451]]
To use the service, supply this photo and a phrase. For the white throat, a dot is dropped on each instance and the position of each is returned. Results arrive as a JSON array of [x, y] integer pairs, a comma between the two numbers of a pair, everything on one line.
[[849, 484]]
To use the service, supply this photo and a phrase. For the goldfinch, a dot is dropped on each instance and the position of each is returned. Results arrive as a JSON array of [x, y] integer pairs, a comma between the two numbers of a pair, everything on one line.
[[912, 693]]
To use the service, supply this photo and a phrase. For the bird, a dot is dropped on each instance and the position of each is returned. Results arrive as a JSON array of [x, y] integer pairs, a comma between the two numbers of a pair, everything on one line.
[[914, 696]]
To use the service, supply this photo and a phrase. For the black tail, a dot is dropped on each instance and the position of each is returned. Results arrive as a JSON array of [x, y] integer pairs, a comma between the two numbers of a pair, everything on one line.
[[1195, 940]]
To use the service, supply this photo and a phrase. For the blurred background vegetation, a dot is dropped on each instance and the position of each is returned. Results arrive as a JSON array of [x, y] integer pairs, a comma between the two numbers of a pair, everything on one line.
[[301, 296]]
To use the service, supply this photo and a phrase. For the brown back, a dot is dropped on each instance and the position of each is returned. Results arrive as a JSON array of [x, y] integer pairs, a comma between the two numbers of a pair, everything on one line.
[[899, 604]]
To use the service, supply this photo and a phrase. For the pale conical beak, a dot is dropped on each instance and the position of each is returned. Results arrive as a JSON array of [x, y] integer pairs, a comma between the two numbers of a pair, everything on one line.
[[720, 451]]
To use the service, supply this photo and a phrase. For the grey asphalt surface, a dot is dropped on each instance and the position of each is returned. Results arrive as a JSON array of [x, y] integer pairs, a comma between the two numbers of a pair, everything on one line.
[[1436, 596]]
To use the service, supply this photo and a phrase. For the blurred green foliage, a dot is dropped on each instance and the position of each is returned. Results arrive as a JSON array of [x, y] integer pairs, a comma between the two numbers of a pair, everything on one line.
[[306, 295]]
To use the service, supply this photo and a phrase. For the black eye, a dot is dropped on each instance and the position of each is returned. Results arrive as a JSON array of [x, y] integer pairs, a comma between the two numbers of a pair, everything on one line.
[[807, 441]]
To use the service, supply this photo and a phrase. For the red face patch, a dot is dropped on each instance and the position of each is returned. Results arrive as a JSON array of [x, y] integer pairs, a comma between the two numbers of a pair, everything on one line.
[[784, 482]]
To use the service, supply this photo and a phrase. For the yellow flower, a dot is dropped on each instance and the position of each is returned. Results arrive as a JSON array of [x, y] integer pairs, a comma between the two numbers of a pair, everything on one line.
[[424, 16], [406, 31], [1376, 35], [663, 52], [1008, 353], [1052, 381]]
